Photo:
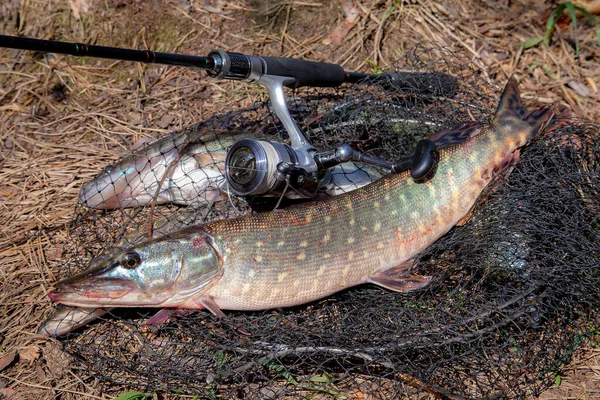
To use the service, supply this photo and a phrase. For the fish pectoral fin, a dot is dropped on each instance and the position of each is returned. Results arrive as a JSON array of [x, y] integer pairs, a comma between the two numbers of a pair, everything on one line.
[[396, 278], [211, 306], [210, 159], [200, 303]]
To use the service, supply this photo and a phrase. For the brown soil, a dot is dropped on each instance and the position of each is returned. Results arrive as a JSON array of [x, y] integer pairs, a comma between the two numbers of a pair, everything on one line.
[[62, 119]]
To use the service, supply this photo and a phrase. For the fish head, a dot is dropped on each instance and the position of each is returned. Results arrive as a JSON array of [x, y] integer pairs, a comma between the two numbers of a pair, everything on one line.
[[158, 273], [133, 180]]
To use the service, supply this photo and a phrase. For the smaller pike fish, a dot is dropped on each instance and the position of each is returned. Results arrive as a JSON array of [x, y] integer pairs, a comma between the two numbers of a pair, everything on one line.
[[350, 176], [134, 180], [197, 177], [66, 319], [310, 251]]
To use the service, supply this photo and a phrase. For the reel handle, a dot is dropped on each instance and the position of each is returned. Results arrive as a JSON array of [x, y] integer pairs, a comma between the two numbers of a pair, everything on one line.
[[421, 163]]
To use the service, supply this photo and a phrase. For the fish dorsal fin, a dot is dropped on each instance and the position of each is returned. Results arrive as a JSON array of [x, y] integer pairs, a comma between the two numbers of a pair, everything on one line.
[[510, 102], [455, 135]]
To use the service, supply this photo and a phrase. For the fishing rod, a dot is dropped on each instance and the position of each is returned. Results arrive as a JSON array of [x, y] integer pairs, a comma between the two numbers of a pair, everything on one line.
[[236, 66], [259, 167]]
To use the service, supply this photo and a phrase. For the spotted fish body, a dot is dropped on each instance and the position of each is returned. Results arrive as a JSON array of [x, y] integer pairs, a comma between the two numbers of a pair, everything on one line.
[[307, 252]]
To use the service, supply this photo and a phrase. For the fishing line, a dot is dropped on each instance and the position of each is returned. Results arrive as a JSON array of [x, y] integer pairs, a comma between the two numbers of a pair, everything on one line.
[[287, 184], [231, 202]]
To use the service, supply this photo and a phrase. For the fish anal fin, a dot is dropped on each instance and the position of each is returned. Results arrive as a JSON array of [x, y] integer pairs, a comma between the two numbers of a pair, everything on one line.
[[506, 165], [399, 278], [456, 135]]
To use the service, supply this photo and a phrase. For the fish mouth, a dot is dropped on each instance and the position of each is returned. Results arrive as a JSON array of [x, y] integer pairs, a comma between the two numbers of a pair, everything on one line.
[[91, 292]]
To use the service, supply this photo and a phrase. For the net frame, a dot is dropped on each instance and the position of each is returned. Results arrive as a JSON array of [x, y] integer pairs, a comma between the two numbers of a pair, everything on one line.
[[491, 324]]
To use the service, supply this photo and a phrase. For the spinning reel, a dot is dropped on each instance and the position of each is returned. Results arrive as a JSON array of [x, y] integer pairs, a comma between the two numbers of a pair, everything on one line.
[[266, 168]]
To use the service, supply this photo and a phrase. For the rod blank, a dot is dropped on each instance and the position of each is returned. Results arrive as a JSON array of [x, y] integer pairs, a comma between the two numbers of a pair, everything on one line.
[[113, 53]]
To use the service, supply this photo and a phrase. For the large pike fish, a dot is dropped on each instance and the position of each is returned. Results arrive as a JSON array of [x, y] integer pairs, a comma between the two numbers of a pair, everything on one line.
[[306, 252]]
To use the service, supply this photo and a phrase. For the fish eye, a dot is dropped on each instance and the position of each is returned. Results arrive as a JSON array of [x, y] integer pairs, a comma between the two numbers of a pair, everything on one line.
[[131, 260], [108, 169]]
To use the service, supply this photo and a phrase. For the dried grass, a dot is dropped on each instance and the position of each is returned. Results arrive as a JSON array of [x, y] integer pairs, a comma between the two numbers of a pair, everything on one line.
[[63, 119]]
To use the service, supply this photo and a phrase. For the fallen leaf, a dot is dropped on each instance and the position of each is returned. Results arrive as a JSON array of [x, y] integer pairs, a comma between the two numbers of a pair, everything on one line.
[[165, 121], [579, 88], [79, 6], [528, 85], [41, 375], [56, 255], [30, 354], [593, 7], [135, 118], [339, 33], [7, 393], [212, 9], [6, 360], [57, 362]]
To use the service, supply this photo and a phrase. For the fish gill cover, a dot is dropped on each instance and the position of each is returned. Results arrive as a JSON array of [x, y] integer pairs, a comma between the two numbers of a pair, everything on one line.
[[515, 290]]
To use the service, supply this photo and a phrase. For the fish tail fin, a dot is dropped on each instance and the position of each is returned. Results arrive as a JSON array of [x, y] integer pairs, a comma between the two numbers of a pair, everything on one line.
[[540, 119], [510, 102], [510, 107]]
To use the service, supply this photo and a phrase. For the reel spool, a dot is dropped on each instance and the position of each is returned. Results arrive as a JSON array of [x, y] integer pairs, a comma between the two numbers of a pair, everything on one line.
[[263, 167]]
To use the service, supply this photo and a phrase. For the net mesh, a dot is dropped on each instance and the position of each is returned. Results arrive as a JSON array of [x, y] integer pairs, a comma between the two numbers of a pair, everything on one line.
[[514, 292]]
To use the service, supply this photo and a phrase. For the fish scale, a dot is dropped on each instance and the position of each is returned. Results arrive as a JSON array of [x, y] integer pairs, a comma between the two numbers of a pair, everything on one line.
[[307, 252]]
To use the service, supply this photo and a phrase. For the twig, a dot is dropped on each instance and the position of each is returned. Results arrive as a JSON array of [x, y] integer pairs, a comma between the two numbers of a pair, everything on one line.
[[85, 395], [285, 350]]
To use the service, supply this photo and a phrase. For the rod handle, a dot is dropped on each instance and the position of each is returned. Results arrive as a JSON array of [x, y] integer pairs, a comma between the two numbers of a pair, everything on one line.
[[305, 73]]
